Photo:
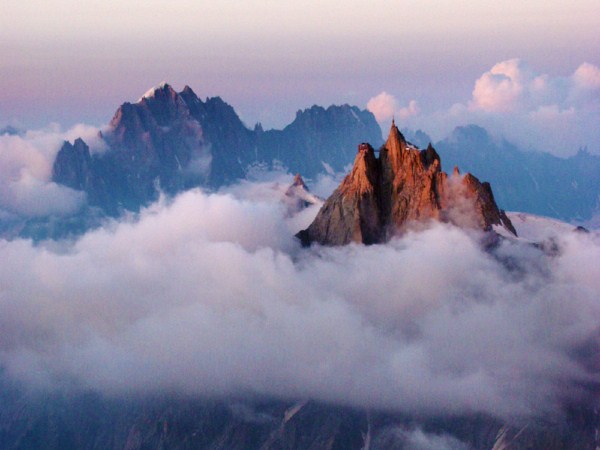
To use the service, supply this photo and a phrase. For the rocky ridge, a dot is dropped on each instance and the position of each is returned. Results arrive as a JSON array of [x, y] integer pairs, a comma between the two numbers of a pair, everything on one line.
[[298, 196], [404, 187], [169, 141], [525, 180]]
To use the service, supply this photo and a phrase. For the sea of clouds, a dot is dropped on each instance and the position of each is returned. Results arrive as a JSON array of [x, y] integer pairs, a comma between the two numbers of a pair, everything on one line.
[[210, 294]]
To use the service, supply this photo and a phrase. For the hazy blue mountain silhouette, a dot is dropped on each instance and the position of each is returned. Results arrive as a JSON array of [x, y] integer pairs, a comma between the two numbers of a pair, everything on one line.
[[527, 181]]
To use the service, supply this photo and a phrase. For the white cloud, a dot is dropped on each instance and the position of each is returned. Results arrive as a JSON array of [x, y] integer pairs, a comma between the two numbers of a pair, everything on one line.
[[385, 106], [501, 88], [26, 189], [408, 111], [550, 112], [557, 114], [210, 294], [587, 76]]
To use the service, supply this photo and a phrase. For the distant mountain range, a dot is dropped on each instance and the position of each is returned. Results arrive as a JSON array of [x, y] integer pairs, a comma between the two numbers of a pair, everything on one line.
[[174, 141], [171, 141], [534, 182]]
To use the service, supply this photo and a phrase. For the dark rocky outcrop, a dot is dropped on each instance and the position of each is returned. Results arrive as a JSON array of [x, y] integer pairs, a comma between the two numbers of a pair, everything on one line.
[[404, 187], [75, 168], [88, 420]]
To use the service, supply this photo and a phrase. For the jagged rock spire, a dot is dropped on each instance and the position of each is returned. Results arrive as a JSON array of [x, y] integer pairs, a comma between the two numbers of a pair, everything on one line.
[[352, 213], [364, 177], [431, 156], [382, 198], [394, 148], [298, 181], [395, 138]]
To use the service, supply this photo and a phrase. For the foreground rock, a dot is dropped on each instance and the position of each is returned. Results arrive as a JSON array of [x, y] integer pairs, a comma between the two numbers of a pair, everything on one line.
[[403, 188]]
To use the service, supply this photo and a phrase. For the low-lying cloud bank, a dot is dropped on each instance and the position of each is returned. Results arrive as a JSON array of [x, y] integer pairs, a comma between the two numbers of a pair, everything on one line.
[[557, 114], [211, 295], [26, 159]]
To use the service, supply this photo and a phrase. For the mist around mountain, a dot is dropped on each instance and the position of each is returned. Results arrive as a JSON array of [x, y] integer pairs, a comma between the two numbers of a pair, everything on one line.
[[10, 130], [168, 142], [524, 180], [201, 322], [165, 143]]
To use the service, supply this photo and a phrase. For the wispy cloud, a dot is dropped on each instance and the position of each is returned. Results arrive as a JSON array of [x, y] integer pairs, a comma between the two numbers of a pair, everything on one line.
[[385, 106]]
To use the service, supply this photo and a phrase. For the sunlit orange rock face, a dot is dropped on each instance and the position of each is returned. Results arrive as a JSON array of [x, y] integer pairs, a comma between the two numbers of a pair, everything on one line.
[[402, 188]]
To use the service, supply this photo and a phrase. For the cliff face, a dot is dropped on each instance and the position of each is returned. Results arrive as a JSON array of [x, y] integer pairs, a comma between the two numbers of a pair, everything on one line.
[[352, 213], [405, 186]]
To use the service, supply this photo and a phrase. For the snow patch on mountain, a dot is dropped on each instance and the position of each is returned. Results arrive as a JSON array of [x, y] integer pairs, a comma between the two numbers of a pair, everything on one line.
[[151, 93], [535, 228]]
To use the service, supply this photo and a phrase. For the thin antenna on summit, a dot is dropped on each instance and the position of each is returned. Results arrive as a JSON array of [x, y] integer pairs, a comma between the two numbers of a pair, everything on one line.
[[393, 121]]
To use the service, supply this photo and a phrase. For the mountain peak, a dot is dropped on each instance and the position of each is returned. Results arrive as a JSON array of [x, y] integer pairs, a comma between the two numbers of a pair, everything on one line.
[[188, 89], [299, 182], [383, 197], [470, 133], [364, 175], [395, 136], [188, 95], [298, 196], [352, 213], [393, 149], [162, 89]]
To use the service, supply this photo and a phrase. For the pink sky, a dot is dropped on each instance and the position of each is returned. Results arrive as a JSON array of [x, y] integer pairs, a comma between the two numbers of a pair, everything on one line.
[[68, 62]]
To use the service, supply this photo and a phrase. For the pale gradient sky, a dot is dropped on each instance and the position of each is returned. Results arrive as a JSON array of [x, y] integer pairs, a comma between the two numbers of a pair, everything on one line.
[[75, 61]]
